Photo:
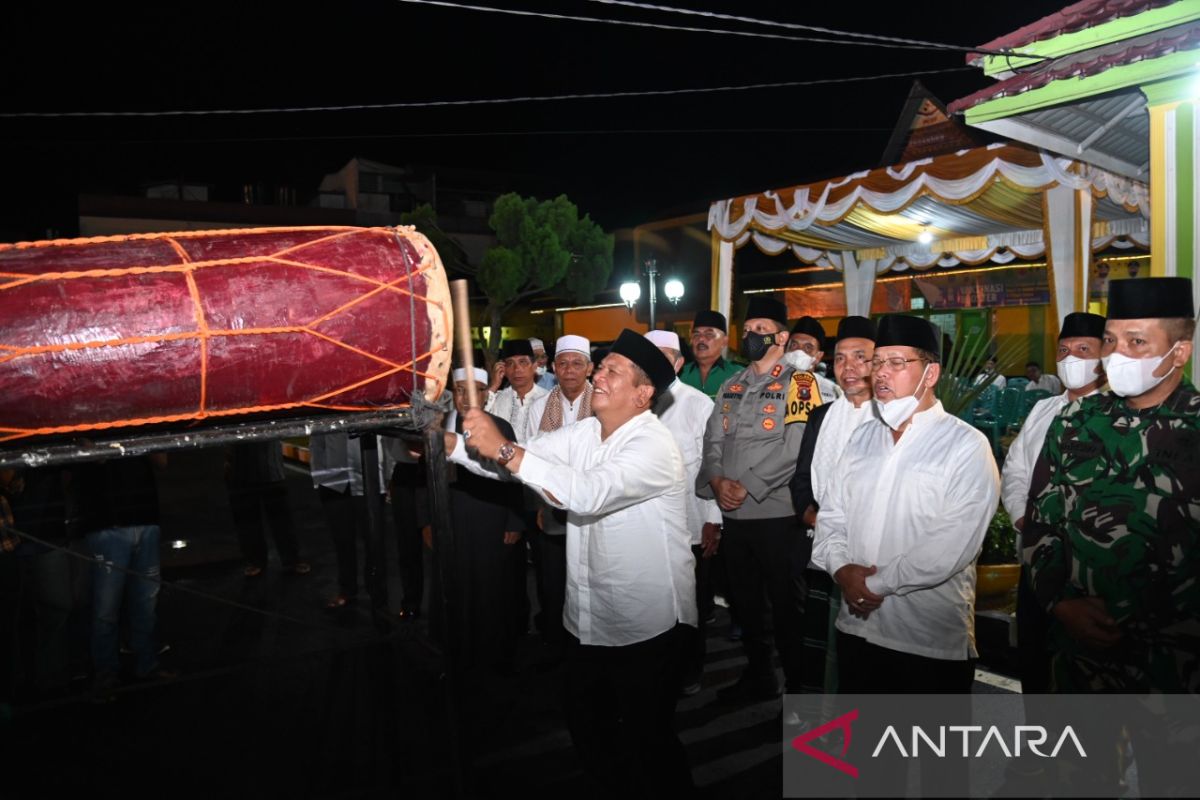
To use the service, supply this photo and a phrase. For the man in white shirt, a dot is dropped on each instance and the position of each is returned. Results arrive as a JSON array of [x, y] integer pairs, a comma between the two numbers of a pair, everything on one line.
[[514, 402], [902, 545], [990, 367], [1040, 382], [544, 378], [685, 411], [630, 585], [825, 438], [565, 404], [1079, 368]]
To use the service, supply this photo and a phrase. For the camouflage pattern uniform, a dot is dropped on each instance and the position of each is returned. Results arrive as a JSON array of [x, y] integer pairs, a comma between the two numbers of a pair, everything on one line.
[[1115, 513]]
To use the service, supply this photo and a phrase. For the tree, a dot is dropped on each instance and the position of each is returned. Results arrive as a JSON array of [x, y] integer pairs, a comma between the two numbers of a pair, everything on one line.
[[542, 246]]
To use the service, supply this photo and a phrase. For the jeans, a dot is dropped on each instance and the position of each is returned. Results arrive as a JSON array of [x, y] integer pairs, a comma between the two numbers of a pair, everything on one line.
[[134, 548]]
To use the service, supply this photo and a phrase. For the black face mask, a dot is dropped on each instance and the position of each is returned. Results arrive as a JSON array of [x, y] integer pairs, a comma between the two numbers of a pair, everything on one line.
[[756, 345]]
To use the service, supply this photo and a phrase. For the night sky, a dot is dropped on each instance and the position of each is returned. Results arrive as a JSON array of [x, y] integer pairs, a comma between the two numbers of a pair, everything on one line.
[[624, 160]]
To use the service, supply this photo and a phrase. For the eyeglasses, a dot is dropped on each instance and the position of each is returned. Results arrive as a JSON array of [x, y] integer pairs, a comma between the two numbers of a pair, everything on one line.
[[895, 363]]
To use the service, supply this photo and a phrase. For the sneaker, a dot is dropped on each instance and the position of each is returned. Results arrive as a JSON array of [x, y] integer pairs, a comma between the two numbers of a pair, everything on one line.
[[720, 601]]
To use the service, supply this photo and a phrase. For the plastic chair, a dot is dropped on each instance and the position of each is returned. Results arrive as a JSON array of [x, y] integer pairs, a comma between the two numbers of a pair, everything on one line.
[[1031, 399], [1017, 383]]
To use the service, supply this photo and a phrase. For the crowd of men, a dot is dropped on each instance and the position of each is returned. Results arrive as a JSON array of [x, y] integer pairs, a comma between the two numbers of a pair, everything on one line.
[[848, 516], [843, 519]]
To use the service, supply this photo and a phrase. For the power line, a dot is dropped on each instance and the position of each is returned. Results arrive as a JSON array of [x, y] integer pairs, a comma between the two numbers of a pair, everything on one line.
[[474, 102], [658, 25], [473, 135], [896, 40]]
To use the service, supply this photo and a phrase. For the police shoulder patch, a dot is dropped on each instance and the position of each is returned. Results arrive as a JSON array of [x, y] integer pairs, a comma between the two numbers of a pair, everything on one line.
[[803, 396]]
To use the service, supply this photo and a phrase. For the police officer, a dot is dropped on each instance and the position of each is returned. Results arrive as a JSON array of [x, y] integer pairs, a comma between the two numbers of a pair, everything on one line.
[[1112, 526], [750, 449]]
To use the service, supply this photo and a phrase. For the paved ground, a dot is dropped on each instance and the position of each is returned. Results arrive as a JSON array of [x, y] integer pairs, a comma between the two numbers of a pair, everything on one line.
[[314, 705]]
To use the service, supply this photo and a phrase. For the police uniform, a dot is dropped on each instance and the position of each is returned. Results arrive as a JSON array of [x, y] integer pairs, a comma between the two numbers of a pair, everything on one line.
[[1114, 513], [753, 437]]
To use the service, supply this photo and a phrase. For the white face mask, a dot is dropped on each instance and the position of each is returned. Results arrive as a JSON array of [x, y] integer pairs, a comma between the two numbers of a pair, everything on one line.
[[1133, 377], [895, 413], [799, 360], [540, 371], [1075, 372]]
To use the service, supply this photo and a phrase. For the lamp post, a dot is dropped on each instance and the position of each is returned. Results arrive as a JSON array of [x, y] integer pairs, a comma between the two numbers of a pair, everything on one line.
[[631, 291]]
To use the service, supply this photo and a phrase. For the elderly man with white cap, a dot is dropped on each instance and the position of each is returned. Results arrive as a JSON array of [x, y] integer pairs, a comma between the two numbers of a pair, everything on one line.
[[566, 404], [685, 411]]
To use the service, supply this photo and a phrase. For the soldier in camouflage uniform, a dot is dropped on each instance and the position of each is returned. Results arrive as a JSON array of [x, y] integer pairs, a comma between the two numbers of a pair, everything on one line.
[[1112, 538]]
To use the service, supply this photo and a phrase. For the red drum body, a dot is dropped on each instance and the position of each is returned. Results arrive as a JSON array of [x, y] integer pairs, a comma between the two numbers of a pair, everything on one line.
[[176, 327]]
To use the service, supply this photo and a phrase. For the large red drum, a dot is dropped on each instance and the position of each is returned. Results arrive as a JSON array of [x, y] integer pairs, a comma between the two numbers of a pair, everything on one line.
[[179, 327]]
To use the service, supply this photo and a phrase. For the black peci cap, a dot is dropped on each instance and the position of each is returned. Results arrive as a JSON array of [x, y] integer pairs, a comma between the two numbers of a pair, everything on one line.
[[856, 328], [811, 327], [710, 319], [1150, 298], [899, 330], [516, 347], [766, 307], [643, 352], [1081, 323]]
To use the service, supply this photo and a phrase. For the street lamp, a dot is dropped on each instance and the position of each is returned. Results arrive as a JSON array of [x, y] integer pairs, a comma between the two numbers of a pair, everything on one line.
[[631, 291]]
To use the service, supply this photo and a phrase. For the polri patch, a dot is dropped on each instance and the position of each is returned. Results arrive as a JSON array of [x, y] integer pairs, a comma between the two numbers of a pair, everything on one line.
[[803, 396]]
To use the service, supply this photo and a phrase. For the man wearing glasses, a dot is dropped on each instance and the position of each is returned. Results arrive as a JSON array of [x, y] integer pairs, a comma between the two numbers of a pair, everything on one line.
[[710, 369], [901, 525]]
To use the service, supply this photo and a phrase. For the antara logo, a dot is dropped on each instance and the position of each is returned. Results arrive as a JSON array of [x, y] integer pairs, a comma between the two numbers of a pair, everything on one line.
[[801, 743], [1031, 736]]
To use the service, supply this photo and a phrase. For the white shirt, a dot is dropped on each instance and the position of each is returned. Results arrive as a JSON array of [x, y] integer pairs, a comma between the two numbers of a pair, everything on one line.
[[686, 418], [999, 381], [1046, 383], [507, 405], [537, 409], [840, 422], [630, 571], [1024, 451], [916, 509], [337, 463]]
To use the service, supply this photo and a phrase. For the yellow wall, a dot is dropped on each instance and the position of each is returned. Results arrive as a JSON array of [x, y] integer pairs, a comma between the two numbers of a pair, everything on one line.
[[1033, 324]]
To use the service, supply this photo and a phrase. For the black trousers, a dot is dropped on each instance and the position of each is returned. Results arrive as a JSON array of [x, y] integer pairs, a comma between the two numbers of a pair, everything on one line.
[[865, 668], [346, 516], [1033, 651], [249, 502], [693, 669], [760, 556], [620, 711], [410, 553], [553, 573]]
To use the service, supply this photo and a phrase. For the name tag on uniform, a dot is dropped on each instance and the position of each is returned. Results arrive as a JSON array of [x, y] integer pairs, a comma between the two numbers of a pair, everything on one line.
[[802, 397]]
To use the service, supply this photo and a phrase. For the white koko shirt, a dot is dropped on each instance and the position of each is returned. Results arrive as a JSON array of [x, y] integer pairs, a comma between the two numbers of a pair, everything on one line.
[[507, 405], [630, 571], [917, 510], [1024, 451], [686, 417]]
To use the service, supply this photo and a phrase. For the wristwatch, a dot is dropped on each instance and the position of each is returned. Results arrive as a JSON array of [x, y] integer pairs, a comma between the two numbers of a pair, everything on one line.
[[508, 451]]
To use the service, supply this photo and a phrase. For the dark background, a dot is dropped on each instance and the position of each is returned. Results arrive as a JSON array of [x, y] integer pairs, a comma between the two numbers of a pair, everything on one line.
[[626, 160]]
